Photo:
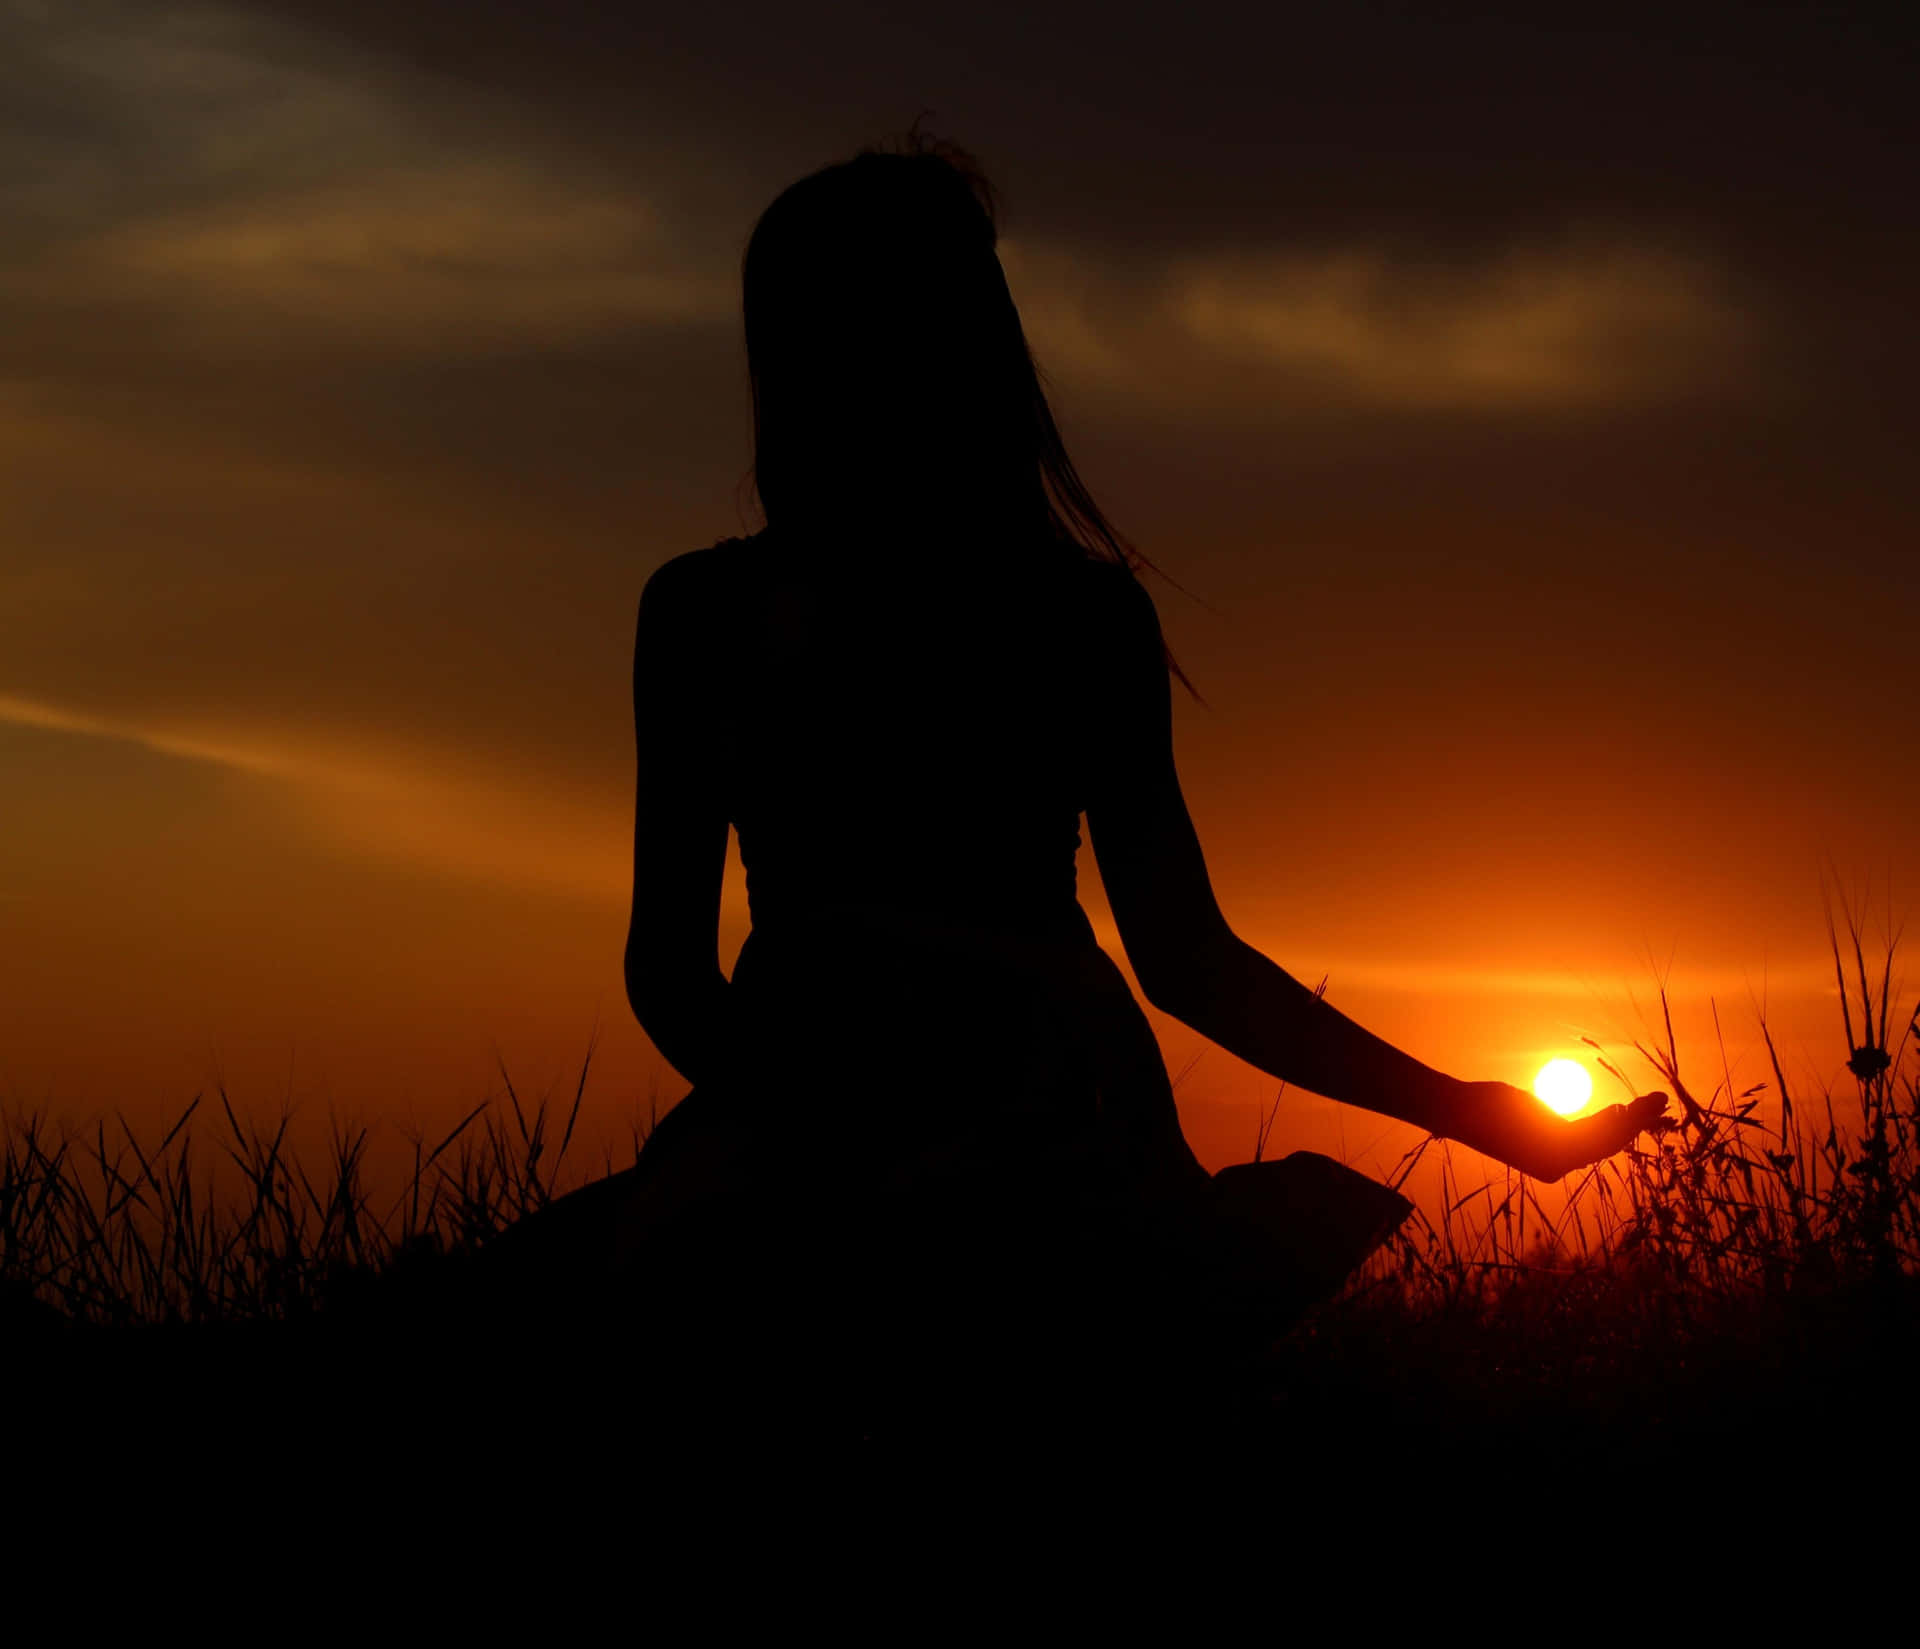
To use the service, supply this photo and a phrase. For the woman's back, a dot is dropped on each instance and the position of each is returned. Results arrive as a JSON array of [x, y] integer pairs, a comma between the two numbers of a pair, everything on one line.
[[905, 748], [898, 737]]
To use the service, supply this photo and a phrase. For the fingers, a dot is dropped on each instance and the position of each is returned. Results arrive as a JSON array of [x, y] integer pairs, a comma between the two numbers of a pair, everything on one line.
[[1649, 1111], [1594, 1138], [1635, 1115], [1547, 1148]]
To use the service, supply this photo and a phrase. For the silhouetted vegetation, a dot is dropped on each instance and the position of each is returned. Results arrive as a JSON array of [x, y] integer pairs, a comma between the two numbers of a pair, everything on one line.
[[1731, 1258], [1729, 1271], [105, 1229]]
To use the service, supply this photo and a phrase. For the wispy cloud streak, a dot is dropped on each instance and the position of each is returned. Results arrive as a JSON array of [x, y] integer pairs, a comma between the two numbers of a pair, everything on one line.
[[419, 808], [226, 175], [1562, 325]]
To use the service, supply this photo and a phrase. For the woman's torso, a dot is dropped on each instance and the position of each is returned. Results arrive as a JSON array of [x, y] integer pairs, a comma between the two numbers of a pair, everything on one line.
[[905, 739], [905, 752]]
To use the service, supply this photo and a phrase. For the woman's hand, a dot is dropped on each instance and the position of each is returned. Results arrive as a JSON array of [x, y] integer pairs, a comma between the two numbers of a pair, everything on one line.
[[1510, 1124]]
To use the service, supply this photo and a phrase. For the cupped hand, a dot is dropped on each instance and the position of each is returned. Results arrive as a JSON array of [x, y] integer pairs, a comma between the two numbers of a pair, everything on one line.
[[1510, 1124]]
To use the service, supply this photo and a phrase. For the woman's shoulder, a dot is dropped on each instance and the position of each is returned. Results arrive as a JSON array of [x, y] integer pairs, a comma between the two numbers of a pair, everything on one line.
[[685, 584]]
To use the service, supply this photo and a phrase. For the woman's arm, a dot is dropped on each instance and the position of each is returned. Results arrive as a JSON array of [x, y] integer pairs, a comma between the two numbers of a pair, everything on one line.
[[674, 982], [1193, 966]]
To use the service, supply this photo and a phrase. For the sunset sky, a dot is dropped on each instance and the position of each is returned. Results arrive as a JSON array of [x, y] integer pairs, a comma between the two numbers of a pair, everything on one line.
[[1528, 407]]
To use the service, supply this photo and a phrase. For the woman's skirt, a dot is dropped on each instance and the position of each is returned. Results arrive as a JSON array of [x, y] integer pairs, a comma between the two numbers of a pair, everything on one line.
[[943, 1181]]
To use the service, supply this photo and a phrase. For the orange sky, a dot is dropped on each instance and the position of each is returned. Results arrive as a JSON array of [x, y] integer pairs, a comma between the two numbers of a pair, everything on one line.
[[1544, 495]]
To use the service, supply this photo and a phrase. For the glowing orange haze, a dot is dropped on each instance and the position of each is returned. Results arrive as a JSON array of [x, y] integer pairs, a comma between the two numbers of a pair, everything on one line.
[[365, 944], [341, 829], [1554, 597]]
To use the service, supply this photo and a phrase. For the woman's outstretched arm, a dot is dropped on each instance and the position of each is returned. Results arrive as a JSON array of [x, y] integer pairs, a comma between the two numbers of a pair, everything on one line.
[[674, 982], [1192, 965]]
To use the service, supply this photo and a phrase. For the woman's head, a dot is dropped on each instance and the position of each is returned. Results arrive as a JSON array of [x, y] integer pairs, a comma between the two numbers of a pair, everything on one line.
[[892, 383]]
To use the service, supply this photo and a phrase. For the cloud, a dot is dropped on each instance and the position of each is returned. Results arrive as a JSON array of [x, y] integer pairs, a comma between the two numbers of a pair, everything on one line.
[[1590, 322], [456, 255], [52, 718], [229, 177], [414, 807], [1559, 327], [120, 106], [200, 180]]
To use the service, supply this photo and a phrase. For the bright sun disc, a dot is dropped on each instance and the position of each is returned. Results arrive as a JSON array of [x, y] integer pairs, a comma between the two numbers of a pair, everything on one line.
[[1563, 1085]]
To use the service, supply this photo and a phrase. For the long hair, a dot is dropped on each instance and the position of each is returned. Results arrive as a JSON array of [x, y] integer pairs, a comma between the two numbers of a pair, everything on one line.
[[891, 377]]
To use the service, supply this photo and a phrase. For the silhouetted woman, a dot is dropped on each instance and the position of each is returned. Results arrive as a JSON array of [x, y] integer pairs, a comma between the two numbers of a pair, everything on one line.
[[928, 1118]]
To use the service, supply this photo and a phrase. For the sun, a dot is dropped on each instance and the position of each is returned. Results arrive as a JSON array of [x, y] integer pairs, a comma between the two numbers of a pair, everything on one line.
[[1563, 1085]]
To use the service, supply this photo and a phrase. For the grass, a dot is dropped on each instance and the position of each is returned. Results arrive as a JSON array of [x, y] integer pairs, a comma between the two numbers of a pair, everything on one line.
[[1744, 1271], [1734, 1261], [103, 1228], [1721, 1205]]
